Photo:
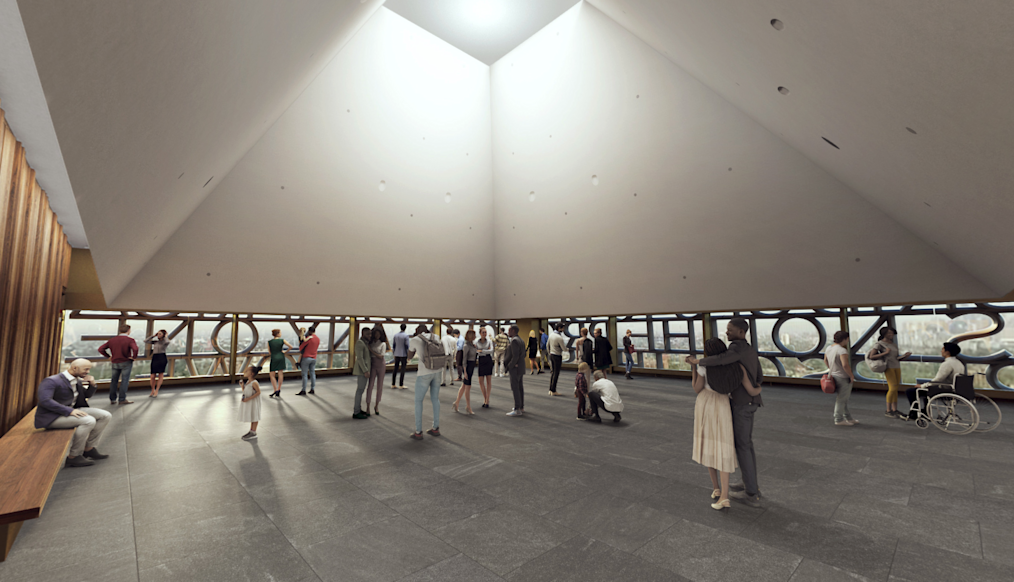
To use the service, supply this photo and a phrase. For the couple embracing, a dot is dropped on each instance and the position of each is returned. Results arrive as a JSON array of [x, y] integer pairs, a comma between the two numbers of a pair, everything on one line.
[[727, 384]]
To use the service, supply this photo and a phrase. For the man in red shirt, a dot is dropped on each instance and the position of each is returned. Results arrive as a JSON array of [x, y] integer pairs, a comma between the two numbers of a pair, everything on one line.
[[308, 363], [124, 350]]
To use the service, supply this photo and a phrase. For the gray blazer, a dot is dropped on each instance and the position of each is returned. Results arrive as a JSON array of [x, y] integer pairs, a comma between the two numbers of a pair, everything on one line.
[[514, 357]]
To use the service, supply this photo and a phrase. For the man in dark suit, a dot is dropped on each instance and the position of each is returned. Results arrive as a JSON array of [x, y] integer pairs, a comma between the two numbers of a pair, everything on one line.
[[514, 360], [743, 406], [63, 403]]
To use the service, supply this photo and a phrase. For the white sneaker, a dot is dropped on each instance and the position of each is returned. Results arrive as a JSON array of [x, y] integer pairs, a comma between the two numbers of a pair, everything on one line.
[[842, 423], [514, 413]]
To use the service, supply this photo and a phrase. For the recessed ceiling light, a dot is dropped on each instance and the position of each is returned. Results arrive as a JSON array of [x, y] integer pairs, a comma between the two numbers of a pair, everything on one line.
[[531, 196], [783, 90], [777, 24], [383, 186], [595, 180], [835, 146], [447, 198]]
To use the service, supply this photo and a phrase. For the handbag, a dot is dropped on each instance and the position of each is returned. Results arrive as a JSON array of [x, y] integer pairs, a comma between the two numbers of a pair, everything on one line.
[[878, 366], [827, 384]]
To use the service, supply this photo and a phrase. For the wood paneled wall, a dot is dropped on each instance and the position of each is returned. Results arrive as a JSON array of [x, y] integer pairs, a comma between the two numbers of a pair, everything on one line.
[[34, 264]]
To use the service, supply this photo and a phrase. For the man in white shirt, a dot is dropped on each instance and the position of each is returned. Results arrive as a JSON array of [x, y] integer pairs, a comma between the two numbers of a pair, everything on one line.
[[603, 394], [426, 379], [557, 346], [950, 368], [450, 347]]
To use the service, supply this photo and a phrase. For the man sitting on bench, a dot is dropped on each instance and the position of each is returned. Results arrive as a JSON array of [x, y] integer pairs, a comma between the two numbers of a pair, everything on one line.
[[950, 368], [63, 403]]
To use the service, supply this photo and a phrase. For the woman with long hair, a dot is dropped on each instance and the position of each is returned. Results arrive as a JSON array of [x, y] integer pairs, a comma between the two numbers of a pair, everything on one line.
[[887, 349], [714, 444], [533, 351], [469, 354], [159, 342], [276, 372], [485, 364], [378, 365]]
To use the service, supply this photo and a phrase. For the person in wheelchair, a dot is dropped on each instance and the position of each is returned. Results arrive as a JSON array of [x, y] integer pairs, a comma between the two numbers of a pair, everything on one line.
[[950, 368]]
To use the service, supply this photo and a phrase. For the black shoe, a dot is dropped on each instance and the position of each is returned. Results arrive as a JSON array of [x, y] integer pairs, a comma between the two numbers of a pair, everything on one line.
[[616, 417], [442, 385], [360, 416], [301, 393], [311, 391], [79, 461], [540, 371], [595, 419], [95, 454]]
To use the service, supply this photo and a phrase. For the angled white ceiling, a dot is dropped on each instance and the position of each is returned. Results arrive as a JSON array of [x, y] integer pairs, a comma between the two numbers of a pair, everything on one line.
[[485, 29], [24, 103], [859, 74], [153, 103], [783, 228]]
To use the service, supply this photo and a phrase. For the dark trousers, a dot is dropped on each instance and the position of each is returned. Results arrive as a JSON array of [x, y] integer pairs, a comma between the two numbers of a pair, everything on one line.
[[518, 387], [557, 363], [403, 362], [596, 404], [581, 404], [742, 431], [911, 393]]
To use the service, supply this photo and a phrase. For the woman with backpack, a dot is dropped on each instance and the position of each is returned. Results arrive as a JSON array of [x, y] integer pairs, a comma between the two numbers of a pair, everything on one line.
[[840, 369], [884, 358]]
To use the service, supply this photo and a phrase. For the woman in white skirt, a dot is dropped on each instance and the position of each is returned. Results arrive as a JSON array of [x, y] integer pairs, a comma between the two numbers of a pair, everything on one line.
[[250, 405], [714, 444]]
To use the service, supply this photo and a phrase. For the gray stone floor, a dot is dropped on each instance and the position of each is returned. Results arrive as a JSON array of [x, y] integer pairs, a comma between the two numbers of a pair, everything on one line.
[[323, 497]]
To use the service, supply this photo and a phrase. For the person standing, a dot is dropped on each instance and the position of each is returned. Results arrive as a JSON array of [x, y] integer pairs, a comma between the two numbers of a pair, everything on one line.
[[581, 391], [628, 349], [469, 354], [450, 349], [308, 363], [714, 437], [500, 343], [276, 371], [400, 357], [557, 345], [123, 350], [432, 358], [533, 352], [514, 359], [159, 342], [585, 349], [840, 368], [250, 403], [603, 394], [544, 349], [361, 368], [886, 348], [485, 364], [63, 403], [744, 405], [378, 365], [603, 352], [459, 343]]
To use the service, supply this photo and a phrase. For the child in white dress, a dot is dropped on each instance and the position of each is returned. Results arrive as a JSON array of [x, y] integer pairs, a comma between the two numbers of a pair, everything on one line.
[[250, 405]]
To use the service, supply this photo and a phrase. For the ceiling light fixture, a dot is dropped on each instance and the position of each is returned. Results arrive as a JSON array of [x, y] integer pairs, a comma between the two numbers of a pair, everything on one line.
[[485, 11]]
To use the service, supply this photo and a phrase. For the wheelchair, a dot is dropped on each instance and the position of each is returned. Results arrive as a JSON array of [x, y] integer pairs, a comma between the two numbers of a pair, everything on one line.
[[955, 409]]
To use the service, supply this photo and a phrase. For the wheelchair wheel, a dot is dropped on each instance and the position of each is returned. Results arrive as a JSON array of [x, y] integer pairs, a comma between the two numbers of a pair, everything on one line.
[[989, 413], [922, 423], [952, 414]]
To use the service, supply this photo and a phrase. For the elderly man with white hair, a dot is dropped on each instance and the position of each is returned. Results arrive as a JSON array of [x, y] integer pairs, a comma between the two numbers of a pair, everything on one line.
[[603, 394], [63, 403]]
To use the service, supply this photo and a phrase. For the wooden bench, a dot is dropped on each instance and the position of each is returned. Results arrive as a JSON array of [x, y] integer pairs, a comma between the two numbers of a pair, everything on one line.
[[30, 458]]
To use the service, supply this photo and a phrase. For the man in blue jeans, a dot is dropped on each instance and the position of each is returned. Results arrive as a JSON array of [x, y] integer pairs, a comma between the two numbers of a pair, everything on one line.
[[121, 351], [308, 363], [628, 349]]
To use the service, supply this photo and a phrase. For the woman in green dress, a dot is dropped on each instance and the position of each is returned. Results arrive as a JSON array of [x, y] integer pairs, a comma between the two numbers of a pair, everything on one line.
[[277, 347]]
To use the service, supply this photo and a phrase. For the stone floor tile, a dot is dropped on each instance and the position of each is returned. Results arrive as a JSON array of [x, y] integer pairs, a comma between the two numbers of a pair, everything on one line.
[[626, 525], [623, 482], [438, 505], [385, 479], [118, 566], [915, 562], [504, 538], [582, 559], [693, 503], [813, 571], [385, 551], [537, 494], [459, 568], [307, 487], [155, 505]]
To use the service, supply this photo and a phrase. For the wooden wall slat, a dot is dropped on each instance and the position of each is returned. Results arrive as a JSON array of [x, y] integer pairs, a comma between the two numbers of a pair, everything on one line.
[[34, 268]]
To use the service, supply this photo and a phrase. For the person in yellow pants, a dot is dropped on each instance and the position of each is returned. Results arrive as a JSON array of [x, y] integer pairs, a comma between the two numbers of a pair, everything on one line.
[[886, 348]]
